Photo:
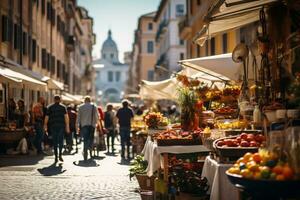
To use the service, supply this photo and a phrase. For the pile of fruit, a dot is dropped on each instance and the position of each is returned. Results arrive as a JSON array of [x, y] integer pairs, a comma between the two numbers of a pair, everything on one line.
[[177, 134], [243, 140], [225, 110], [262, 166], [233, 91], [153, 119]]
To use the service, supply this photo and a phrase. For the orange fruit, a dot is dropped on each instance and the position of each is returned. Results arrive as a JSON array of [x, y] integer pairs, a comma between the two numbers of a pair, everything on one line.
[[247, 156], [287, 172], [280, 177], [246, 173], [234, 170], [257, 175], [256, 157], [277, 169]]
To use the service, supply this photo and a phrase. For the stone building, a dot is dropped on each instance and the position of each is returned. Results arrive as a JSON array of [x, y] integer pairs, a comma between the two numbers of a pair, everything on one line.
[[111, 74]]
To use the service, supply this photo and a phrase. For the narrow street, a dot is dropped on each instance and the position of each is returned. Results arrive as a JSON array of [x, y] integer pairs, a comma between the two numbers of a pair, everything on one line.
[[36, 177]]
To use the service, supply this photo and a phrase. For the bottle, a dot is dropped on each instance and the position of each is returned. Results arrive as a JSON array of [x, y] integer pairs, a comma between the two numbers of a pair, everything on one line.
[[256, 115]]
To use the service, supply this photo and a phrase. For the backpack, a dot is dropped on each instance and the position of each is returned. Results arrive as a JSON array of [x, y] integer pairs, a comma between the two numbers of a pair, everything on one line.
[[108, 120]]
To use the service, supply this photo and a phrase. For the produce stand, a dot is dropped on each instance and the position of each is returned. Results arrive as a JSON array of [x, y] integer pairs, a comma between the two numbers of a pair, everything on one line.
[[10, 138], [220, 187]]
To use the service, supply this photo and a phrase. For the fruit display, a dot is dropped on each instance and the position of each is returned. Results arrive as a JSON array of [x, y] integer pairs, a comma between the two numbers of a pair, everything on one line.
[[231, 124], [263, 165], [225, 111], [243, 140], [233, 91], [177, 134], [153, 120]]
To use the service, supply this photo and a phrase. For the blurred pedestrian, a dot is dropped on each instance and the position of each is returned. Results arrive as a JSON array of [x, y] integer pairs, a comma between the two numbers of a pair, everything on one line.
[[57, 120], [21, 115], [110, 126], [124, 115], [38, 116], [11, 109], [72, 124], [87, 119]]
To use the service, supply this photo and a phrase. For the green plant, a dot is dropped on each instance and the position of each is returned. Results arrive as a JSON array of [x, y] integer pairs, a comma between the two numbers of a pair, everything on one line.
[[138, 166]]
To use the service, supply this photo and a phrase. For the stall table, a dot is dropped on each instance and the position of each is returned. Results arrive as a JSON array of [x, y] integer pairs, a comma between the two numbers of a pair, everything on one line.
[[10, 138], [157, 156], [220, 187]]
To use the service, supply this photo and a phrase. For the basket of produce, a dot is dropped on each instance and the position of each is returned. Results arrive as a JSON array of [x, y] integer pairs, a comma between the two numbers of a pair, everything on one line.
[[264, 176], [233, 132], [177, 137], [237, 146]]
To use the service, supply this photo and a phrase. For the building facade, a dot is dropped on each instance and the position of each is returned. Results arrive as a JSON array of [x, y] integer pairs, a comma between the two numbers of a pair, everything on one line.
[[46, 37], [144, 52], [111, 74], [192, 23], [170, 48]]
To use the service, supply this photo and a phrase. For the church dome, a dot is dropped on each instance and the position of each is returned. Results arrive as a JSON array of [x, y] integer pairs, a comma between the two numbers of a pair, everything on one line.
[[109, 49]]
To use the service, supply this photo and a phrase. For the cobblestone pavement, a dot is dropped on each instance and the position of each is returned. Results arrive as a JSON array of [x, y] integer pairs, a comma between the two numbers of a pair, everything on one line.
[[36, 177]]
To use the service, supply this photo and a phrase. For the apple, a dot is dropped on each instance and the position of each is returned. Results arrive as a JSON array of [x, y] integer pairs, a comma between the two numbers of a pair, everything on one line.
[[253, 144], [250, 137], [244, 136], [229, 142], [238, 139], [244, 143]]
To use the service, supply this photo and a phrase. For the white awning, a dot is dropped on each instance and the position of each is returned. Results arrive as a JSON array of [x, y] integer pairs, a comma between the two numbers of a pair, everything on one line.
[[230, 18], [18, 76], [10, 79], [157, 90], [70, 98], [53, 84], [219, 67]]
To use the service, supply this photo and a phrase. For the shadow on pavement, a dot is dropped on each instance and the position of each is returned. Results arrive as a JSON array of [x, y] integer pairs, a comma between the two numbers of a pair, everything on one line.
[[52, 170], [111, 154], [16, 160], [98, 157], [124, 162], [88, 163]]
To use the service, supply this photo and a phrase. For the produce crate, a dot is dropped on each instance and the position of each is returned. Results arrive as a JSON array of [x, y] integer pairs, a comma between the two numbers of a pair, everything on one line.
[[175, 142], [232, 132], [232, 152], [145, 182]]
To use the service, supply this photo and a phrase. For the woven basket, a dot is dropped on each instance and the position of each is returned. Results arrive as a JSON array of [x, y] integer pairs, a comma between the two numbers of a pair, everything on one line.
[[145, 182]]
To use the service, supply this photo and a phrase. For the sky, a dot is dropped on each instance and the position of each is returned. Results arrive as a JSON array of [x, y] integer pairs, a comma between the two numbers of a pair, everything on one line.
[[120, 16]]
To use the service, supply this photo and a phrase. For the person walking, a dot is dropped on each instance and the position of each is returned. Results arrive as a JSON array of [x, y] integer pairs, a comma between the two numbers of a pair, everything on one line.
[[38, 116], [110, 126], [124, 115], [57, 120], [87, 119], [72, 124]]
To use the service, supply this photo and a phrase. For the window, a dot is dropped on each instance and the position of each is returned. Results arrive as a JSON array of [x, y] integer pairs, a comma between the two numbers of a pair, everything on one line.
[[150, 75], [110, 76], [49, 11], [48, 61], [58, 23], [150, 47], [43, 6], [179, 9], [206, 48], [58, 74], [37, 55], [53, 16], [198, 2], [111, 55], [52, 65], [181, 56], [118, 76], [212, 46], [198, 51], [181, 42], [25, 45], [4, 28], [16, 36], [150, 26], [224, 41], [33, 50], [44, 59]]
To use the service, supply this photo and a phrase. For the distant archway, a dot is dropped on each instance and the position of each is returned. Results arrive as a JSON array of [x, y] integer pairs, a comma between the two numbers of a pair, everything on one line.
[[112, 95]]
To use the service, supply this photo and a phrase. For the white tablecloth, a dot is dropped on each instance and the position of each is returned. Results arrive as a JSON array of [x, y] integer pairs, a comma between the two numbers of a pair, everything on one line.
[[220, 187], [152, 153]]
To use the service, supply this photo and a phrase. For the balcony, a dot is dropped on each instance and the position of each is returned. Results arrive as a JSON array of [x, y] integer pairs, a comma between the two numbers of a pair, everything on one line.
[[184, 28], [162, 28], [70, 42]]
